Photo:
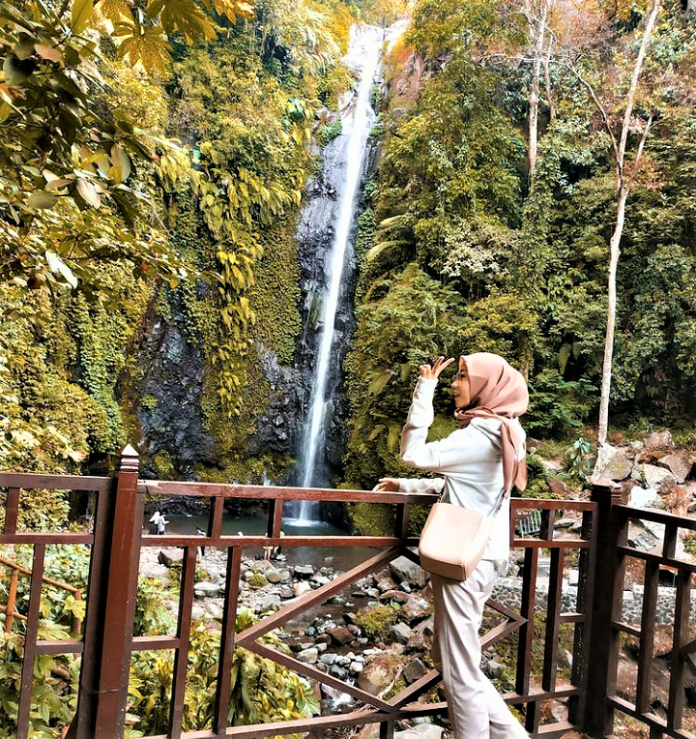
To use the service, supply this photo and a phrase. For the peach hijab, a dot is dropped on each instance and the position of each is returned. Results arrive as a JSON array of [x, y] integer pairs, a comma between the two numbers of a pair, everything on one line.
[[499, 391]]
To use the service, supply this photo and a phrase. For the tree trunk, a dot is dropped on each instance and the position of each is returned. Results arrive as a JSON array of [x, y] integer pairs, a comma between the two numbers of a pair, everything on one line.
[[547, 79], [537, 35], [614, 253]]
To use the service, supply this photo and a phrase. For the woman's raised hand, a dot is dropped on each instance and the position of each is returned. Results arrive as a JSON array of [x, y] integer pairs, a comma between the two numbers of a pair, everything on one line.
[[387, 485], [433, 373]]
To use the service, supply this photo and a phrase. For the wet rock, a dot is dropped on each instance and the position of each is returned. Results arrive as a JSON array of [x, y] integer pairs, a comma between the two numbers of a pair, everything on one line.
[[303, 571], [416, 609], [414, 670], [340, 635], [397, 596], [564, 523], [642, 498], [640, 538], [679, 464], [338, 671], [400, 633], [403, 570]]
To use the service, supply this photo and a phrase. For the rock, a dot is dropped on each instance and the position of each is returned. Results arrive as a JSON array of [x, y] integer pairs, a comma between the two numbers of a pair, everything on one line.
[[400, 633], [659, 440], [309, 656], [397, 596], [414, 670], [338, 671], [642, 498], [214, 608], [416, 608], [197, 612], [564, 523], [300, 588], [354, 630], [426, 627], [335, 695], [416, 642], [420, 731], [655, 476], [356, 668], [350, 617], [559, 487], [679, 464], [269, 602], [323, 639], [170, 556], [153, 570], [286, 593], [640, 538], [340, 635], [494, 669], [206, 589], [618, 466], [403, 570], [379, 672], [304, 571], [329, 658], [273, 574], [385, 584]]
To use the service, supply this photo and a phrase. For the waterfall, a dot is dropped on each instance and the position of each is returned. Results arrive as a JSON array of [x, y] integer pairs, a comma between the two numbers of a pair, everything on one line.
[[348, 153]]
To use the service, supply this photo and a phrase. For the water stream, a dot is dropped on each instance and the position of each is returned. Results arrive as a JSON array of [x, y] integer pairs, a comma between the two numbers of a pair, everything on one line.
[[347, 161]]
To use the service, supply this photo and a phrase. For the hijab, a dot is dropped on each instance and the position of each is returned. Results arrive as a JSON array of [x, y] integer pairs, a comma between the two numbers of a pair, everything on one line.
[[499, 391]]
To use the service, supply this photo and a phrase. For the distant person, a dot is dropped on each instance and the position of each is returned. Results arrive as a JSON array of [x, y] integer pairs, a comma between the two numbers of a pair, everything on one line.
[[479, 463], [159, 522], [200, 532]]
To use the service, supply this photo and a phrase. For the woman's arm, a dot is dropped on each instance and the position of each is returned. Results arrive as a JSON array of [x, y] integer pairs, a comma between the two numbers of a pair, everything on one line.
[[461, 448], [410, 485]]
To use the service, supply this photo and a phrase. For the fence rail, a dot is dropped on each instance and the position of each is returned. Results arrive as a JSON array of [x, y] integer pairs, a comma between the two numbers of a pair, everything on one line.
[[117, 537]]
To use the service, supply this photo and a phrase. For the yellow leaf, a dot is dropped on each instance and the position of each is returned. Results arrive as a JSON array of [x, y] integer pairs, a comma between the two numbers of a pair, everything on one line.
[[81, 13]]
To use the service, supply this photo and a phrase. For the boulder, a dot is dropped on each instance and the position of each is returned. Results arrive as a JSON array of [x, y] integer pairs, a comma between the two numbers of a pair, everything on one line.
[[171, 556], [340, 635], [414, 670], [379, 673], [273, 574], [640, 538], [679, 464], [153, 570], [618, 465], [659, 440], [642, 498], [426, 627], [564, 523], [655, 477], [400, 633], [559, 487], [420, 731], [403, 570], [416, 642]]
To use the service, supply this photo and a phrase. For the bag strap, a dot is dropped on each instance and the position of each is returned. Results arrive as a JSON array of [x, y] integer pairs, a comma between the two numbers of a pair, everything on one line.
[[499, 505]]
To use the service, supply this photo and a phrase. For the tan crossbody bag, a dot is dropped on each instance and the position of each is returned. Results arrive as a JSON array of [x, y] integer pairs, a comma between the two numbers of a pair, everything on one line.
[[454, 539]]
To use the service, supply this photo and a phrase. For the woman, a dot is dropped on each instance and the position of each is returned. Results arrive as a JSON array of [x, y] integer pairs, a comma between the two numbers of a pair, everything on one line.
[[481, 462]]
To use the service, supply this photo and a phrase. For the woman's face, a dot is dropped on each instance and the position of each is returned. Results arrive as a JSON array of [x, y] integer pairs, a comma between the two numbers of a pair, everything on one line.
[[461, 389]]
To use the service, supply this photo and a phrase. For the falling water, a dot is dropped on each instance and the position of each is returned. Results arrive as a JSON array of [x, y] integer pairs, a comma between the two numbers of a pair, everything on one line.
[[363, 55]]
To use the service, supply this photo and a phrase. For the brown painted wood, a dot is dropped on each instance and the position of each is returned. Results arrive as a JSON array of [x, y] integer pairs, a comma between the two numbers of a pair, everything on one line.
[[32, 481], [553, 609], [30, 637], [67, 646], [555, 544], [11, 601], [45, 538], [217, 508], [675, 708], [429, 680], [386, 730], [275, 518], [11, 510], [647, 637], [546, 529], [649, 719], [323, 677], [188, 578], [265, 492], [154, 643], [676, 564], [524, 652], [669, 544], [560, 693], [227, 641], [649, 514], [403, 513], [265, 541], [526, 504], [319, 595]]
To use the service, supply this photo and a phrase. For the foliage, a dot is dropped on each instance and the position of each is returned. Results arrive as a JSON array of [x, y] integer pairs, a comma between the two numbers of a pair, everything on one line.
[[376, 620], [261, 691]]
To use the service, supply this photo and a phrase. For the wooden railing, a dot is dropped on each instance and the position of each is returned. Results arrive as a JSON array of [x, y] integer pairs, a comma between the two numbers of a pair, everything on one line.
[[107, 641]]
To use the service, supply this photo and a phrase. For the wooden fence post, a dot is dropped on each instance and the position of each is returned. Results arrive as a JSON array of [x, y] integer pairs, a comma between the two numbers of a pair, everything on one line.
[[597, 714], [111, 602]]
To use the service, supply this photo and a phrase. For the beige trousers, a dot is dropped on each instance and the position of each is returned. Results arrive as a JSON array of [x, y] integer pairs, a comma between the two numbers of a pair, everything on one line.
[[476, 710]]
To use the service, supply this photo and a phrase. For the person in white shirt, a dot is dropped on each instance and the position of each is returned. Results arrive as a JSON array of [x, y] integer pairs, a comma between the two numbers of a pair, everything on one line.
[[480, 462], [159, 522]]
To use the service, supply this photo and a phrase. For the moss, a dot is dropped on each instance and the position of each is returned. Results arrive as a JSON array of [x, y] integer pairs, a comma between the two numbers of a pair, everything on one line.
[[376, 620], [149, 402], [327, 132], [164, 466], [689, 540], [257, 580]]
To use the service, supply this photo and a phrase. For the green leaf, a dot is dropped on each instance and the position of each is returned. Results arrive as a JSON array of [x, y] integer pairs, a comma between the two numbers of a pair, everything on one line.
[[81, 13], [41, 199], [379, 383]]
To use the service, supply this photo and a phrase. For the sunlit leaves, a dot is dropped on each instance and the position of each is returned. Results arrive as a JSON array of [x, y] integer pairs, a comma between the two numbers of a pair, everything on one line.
[[143, 45]]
